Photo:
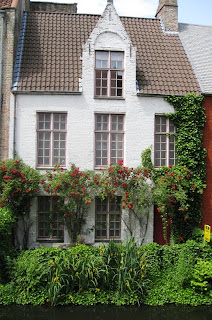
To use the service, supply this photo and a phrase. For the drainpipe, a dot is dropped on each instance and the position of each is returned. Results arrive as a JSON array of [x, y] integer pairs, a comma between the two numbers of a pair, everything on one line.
[[14, 126], [2, 12]]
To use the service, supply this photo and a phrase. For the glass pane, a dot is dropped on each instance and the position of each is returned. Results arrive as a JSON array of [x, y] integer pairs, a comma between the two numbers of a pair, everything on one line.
[[98, 161], [62, 136], [104, 161], [102, 55], [46, 161], [98, 82], [104, 92], [113, 92], [98, 64], [98, 153], [104, 64], [97, 92], [119, 75], [118, 56], [113, 74], [119, 65], [104, 74]]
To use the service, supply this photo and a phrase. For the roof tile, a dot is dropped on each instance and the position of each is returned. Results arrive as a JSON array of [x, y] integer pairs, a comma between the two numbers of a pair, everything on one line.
[[5, 3]]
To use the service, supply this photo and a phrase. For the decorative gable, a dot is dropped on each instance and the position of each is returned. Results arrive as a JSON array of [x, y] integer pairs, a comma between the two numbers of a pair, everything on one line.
[[109, 35]]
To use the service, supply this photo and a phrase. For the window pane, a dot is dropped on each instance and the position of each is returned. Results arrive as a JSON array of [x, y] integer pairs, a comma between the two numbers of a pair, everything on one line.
[[46, 161], [104, 92], [113, 92], [102, 55], [117, 56]]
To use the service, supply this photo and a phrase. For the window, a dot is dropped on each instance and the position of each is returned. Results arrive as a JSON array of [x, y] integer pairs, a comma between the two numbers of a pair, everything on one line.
[[51, 139], [164, 142], [49, 221], [108, 218], [109, 139], [109, 74]]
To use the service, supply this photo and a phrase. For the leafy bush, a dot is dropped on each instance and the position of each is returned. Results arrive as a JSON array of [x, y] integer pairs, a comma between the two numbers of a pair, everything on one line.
[[117, 274], [202, 276], [6, 224], [177, 265]]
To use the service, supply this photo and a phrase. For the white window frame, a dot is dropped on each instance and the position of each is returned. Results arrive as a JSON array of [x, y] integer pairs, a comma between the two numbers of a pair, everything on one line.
[[51, 132], [107, 146], [50, 225], [162, 142], [107, 213], [109, 69]]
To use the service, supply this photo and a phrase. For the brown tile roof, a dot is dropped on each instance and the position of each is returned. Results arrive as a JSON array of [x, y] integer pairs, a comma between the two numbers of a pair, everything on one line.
[[53, 47], [5, 3], [162, 64]]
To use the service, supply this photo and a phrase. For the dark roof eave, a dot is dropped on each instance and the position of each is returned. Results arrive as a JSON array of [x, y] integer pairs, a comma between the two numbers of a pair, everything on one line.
[[44, 92], [207, 94], [161, 95]]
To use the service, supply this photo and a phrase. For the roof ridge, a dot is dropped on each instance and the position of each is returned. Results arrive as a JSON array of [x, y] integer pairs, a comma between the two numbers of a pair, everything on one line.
[[63, 13], [195, 24]]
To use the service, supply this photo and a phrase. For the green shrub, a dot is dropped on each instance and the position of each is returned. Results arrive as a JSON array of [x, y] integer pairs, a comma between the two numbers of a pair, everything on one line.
[[114, 274], [202, 276], [6, 249]]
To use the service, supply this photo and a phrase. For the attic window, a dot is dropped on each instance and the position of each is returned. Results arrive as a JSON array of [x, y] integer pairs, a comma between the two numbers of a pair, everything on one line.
[[109, 74]]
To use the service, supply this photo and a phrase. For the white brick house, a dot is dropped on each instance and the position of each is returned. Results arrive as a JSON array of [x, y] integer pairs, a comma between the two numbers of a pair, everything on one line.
[[115, 73]]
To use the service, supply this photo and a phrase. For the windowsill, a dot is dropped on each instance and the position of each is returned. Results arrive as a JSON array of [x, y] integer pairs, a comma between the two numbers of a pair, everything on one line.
[[109, 98], [50, 168], [108, 240], [50, 240]]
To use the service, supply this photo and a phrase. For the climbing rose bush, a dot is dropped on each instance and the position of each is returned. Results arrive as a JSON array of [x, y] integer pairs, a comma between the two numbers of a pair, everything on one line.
[[173, 188], [18, 185]]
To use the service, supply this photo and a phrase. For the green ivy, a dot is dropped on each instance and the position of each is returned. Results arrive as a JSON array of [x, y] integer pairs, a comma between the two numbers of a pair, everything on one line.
[[189, 119]]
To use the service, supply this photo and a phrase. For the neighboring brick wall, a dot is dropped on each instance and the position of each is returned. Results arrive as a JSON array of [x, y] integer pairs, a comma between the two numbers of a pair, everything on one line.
[[12, 22], [53, 7], [207, 142], [8, 51], [168, 13]]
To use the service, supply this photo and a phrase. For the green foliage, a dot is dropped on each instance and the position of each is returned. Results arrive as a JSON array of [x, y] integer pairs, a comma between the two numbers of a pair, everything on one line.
[[6, 221], [189, 119], [173, 283], [127, 268], [202, 276], [18, 185], [114, 274], [174, 188], [6, 224], [146, 158]]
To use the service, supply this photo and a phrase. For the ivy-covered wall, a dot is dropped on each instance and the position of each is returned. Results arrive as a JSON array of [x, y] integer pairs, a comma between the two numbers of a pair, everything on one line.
[[207, 143], [189, 119]]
